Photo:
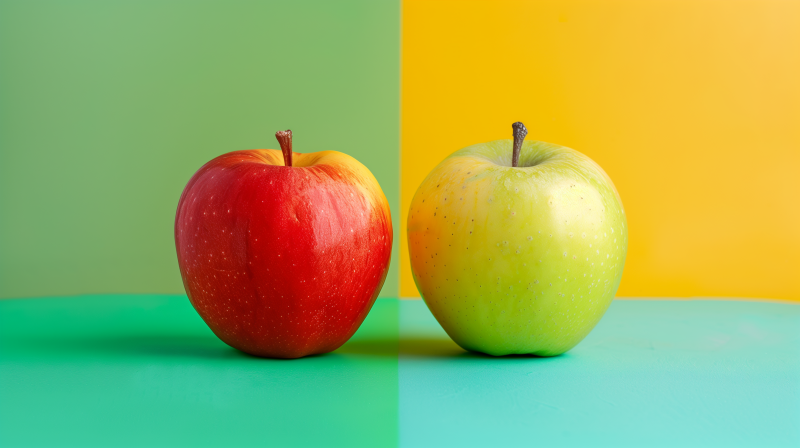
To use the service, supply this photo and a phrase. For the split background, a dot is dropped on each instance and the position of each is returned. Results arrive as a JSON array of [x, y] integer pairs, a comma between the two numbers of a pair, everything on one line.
[[108, 108]]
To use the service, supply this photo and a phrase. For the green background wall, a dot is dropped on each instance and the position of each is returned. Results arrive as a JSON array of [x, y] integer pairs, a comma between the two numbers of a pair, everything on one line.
[[107, 109]]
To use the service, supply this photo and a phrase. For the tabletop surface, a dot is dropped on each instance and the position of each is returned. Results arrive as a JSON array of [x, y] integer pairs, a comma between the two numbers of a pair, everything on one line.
[[144, 370]]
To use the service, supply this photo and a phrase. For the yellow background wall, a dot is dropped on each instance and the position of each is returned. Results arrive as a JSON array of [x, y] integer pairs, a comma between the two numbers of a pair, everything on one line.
[[692, 108]]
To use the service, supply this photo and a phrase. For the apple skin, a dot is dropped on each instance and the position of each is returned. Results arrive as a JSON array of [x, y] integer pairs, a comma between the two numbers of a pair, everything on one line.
[[279, 261], [517, 260]]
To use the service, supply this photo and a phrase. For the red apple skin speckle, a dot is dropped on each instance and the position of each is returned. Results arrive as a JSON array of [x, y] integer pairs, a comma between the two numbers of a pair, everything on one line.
[[279, 261]]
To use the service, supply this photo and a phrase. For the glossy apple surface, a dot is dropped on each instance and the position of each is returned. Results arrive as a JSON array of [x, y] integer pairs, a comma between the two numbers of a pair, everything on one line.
[[517, 260], [283, 261]]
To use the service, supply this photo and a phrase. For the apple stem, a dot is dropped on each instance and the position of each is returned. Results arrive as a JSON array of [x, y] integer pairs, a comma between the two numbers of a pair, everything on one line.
[[519, 135], [285, 140]]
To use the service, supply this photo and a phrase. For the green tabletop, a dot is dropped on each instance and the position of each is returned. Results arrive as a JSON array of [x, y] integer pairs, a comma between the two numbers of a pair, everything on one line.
[[143, 370]]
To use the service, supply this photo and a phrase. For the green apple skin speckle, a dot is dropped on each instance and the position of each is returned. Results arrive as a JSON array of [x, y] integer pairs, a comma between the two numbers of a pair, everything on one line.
[[517, 260]]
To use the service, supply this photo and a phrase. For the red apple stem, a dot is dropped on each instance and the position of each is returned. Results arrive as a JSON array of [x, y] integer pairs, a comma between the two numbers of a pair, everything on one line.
[[519, 135], [285, 140]]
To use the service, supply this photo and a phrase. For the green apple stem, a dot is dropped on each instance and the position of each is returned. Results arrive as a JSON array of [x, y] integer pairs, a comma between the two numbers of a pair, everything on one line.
[[285, 140], [519, 135]]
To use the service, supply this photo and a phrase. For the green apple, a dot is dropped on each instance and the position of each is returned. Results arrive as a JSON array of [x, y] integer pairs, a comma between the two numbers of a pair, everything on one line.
[[517, 258]]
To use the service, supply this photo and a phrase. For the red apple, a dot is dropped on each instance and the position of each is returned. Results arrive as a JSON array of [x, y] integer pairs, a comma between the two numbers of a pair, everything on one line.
[[283, 257]]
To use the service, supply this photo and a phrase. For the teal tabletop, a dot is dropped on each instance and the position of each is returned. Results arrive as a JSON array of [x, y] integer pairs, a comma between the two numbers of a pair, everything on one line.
[[144, 370]]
